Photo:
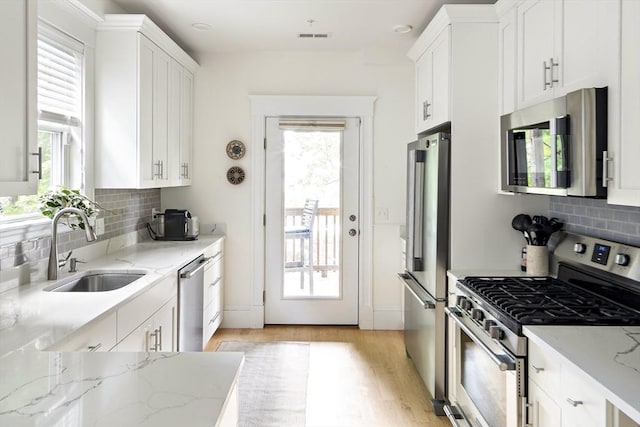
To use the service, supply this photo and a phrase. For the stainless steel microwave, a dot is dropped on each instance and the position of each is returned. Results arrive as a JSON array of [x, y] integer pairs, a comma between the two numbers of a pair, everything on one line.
[[557, 147]]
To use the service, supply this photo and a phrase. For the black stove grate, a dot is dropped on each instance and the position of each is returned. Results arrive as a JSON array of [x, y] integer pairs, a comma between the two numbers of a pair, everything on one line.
[[547, 301]]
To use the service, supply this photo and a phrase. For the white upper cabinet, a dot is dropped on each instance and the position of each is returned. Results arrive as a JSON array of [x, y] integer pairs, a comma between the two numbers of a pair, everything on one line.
[[562, 46], [143, 122], [507, 60], [18, 110], [624, 112], [448, 56], [432, 83]]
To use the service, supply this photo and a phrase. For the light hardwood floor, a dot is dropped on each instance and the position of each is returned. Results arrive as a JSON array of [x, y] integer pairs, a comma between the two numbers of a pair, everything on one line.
[[356, 377]]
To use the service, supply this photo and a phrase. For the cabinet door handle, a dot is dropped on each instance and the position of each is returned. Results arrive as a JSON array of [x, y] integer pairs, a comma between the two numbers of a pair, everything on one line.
[[157, 173], [574, 403], [544, 75], [94, 347], [538, 370], [39, 154], [605, 168], [552, 64], [215, 282], [426, 110], [160, 337], [156, 345]]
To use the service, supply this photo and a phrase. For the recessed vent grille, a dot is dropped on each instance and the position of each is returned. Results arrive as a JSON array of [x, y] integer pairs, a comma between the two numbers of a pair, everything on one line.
[[313, 36]]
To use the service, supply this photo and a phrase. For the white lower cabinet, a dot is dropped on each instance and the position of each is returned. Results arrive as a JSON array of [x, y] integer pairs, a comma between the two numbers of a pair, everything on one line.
[[213, 291], [229, 417], [559, 394], [98, 335], [582, 405], [157, 333], [543, 410]]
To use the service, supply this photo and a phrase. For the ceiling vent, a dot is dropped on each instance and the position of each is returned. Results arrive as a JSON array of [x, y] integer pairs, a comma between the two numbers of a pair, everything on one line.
[[313, 35]]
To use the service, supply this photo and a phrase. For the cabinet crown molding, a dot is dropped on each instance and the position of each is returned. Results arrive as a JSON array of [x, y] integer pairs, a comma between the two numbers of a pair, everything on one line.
[[452, 14], [144, 25]]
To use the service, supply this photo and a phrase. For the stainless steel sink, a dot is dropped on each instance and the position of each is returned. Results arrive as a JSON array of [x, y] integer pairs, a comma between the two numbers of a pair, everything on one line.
[[96, 281]]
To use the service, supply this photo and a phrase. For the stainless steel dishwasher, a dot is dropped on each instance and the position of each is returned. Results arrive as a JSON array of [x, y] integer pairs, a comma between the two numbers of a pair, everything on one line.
[[190, 296]]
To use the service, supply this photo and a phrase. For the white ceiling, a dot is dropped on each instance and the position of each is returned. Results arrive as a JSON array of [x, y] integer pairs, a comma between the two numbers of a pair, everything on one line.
[[250, 25]]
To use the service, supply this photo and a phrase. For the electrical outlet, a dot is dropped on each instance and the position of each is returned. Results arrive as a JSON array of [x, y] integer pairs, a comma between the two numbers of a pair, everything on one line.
[[99, 226], [154, 213], [382, 214]]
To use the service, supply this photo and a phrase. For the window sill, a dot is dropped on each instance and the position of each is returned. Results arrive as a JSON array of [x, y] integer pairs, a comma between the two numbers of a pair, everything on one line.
[[20, 231]]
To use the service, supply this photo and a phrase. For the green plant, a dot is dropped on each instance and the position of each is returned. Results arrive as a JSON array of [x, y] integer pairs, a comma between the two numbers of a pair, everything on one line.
[[54, 200]]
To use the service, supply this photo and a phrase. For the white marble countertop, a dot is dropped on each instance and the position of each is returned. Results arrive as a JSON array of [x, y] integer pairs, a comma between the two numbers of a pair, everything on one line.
[[115, 389], [609, 355], [33, 319]]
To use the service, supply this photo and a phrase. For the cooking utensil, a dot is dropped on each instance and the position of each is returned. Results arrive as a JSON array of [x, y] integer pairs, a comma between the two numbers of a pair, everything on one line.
[[521, 222]]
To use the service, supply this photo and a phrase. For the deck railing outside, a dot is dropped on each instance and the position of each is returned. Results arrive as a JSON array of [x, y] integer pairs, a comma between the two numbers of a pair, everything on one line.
[[326, 239]]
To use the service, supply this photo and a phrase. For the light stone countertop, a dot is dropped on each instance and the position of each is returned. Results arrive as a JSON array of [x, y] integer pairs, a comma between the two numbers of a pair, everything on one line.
[[609, 355], [33, 319], [116, 389]]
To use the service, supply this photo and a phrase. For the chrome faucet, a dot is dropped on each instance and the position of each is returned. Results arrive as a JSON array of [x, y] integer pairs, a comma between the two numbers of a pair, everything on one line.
[[52, 272]]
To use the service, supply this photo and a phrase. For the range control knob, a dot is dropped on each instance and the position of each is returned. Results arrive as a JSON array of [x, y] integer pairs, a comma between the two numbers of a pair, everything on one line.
[[488, 323], [477, 314], [466, 304], [496, 333], [579, 248], [459, 300], [622, 259]]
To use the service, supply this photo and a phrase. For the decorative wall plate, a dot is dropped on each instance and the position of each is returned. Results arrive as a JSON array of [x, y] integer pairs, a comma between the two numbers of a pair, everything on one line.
[[235, 175], [236, 149]]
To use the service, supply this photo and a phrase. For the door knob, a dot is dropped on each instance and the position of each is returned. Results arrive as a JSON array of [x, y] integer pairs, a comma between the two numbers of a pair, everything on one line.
[[352, 232], [352, 218]]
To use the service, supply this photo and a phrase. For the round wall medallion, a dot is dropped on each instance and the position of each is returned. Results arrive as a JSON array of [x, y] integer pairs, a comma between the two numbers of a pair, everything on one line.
[[235, 175], [236, 149]]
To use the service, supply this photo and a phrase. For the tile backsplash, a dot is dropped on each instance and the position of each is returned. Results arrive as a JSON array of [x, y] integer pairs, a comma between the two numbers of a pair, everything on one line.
[[594, 217], [124, 211]]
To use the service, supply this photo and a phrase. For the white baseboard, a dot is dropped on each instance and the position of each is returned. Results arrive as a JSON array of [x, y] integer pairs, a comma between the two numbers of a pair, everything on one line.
[[253, 318], [243, 318], [387, 318]]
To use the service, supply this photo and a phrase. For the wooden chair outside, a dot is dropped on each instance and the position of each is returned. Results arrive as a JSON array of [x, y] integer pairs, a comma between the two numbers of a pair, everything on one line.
[[304, 232]]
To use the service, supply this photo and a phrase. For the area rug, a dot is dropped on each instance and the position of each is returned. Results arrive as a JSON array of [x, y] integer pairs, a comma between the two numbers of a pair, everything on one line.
[[272, 388]]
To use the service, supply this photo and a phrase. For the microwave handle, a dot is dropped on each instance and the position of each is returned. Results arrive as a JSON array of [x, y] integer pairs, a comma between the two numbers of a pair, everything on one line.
[[503, 361]]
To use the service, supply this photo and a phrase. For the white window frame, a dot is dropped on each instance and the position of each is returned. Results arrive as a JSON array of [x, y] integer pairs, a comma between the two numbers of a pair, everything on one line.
[[25, 227]]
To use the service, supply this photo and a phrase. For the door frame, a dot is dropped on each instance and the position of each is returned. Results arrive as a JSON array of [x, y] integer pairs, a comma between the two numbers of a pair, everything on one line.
[[263, 106]]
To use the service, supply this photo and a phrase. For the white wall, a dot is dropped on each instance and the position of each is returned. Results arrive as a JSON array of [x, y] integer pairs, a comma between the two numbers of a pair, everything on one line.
[[223, 112]]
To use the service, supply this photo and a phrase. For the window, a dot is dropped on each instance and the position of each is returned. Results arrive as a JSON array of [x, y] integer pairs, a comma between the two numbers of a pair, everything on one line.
[[60, 107]]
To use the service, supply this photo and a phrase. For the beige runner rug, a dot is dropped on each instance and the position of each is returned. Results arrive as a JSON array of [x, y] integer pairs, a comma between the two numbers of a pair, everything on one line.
[[272, 387]]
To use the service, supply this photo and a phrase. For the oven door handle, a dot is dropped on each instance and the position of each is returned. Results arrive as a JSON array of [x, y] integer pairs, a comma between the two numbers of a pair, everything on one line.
[[427, 301], [503, 361]]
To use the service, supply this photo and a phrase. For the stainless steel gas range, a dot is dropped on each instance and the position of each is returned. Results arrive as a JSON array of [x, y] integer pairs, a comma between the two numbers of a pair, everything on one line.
[[594, 282]]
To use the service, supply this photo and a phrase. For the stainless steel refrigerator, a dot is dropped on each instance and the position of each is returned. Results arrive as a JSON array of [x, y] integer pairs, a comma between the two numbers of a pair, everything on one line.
[[427, 259]]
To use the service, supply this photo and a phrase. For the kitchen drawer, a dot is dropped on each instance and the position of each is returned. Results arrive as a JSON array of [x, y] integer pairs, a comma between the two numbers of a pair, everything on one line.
[[211, 319], [543, 411], [215, 250], [132, 314], [99, 335], [544, 368], [582, 405], [212, 282]]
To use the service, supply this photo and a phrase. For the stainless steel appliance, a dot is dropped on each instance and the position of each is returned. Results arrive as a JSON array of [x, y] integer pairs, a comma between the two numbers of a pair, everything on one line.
[[596, 282], [558, 147], [190, 304], [427, 255]]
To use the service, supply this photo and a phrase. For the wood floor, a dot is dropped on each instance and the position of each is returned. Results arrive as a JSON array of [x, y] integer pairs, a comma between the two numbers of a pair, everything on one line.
[[356, 377]]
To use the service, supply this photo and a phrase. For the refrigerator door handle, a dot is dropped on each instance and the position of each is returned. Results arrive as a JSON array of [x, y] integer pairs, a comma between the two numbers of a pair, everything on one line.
[[418, 206], [426, 300]]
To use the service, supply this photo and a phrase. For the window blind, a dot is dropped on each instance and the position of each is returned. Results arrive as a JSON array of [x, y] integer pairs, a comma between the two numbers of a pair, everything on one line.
[[60, 60], [310, 124]]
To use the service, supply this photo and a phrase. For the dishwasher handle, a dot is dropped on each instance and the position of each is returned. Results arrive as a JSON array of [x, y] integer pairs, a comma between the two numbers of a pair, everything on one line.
[[203, 263]]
